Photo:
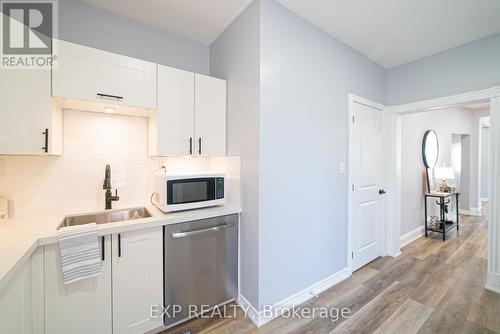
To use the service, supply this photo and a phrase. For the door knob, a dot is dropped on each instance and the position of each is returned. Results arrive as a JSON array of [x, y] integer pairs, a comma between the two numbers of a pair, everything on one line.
[[381, 191]]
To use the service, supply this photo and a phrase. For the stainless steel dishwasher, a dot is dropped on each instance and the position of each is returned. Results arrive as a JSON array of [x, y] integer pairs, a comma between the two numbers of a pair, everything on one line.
[[201, 266]]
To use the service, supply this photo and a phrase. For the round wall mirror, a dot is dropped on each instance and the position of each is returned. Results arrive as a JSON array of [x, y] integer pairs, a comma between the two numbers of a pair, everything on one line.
[[430, 149]]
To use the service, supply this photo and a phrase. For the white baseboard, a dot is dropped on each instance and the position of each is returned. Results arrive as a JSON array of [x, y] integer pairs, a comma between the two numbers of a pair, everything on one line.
[[493, 282], [260, 319], [411, 236], [485, 199], [471, 212], [250, 311]]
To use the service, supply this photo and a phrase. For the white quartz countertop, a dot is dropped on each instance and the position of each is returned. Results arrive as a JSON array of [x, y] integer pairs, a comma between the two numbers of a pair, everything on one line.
[[19, 237]]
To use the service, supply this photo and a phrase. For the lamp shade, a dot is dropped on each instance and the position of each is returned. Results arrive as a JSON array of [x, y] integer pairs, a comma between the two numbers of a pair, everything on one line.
[[445, 173]]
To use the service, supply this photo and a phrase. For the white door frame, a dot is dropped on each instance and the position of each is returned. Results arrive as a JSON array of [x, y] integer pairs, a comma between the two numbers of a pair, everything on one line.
[[385, 226], [480, 157], [394, 114]]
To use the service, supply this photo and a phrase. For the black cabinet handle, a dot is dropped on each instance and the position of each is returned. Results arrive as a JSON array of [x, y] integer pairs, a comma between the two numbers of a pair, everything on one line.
[[190, 145], [108, 96], [102, 250], [119, 245], [199, 145], [46, 147], [381, 191]]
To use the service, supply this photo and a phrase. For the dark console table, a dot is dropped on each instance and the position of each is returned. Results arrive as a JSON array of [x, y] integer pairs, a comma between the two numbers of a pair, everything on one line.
[[442, 199]]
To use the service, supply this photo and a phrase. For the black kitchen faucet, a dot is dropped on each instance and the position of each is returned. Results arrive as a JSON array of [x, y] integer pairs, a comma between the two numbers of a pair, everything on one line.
[[107, 186]]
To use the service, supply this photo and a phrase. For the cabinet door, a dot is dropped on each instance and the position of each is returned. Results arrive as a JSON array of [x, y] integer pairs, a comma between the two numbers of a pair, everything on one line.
[[80, 307], [25, 111], [137, 280], [174, 117], [16, 305], [89, 74], [210, 115]]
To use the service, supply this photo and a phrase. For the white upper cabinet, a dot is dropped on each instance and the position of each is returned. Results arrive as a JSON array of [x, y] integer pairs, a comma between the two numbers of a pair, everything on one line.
[[210, 115], [190, 118], [174, 133], [137, 280], [29, 124], [89, 74]]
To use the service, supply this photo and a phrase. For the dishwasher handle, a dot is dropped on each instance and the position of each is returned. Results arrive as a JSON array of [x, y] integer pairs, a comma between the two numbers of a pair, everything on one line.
[[205, 230]]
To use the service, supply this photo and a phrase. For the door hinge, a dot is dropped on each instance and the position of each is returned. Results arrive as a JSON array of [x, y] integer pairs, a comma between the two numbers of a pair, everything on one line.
[[352, 187], [353, 119], [352, 255]]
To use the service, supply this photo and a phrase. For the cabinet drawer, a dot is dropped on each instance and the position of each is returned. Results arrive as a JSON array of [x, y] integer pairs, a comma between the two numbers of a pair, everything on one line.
[[89, 74]]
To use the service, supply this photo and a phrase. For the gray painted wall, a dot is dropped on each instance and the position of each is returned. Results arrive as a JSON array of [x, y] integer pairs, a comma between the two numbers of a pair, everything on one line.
[[306, 77], [235, 57], [465, 177], [87, 25], [475, 186], [473, 66]]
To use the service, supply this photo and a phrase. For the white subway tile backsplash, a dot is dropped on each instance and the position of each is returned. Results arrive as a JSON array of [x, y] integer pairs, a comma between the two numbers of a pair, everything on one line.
[[73, 182]]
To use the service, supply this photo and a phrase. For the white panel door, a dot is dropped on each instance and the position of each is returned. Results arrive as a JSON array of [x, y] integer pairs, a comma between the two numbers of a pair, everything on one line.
[[137, 280], [174, 116], [81, 307], [210, 115], [367, 209], [89, 74], [25, 111]]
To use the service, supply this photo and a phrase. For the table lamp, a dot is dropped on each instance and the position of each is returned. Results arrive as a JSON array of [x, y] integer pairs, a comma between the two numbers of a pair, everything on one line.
[[444, 173]]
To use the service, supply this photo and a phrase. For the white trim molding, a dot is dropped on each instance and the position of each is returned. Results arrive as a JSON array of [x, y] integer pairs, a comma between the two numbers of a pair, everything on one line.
[[259, 318], [445, 101], [495, 92], [249, 310], [493, 278], [411, 236], [484, 199], [493, 282]]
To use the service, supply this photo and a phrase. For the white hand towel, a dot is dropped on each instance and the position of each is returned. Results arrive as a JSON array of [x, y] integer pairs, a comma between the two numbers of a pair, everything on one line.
[[79, 249]]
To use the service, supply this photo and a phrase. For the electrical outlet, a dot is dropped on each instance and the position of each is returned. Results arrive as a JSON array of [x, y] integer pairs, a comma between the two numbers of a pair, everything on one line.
[[342, 168]]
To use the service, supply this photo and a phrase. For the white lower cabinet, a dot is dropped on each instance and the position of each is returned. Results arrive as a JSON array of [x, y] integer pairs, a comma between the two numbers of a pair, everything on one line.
[[21, 299], [117, 301], [137, 280], [82, 307]]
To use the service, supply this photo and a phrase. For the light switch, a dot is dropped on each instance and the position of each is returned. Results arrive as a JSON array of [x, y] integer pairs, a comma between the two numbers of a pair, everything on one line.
[[342, 168]]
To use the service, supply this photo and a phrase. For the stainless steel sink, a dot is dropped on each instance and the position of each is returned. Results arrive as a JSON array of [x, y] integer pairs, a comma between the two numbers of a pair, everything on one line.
[[105, 217]]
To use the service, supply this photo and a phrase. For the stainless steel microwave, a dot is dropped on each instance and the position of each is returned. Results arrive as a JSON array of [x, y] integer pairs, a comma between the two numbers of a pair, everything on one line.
[[185, 192]]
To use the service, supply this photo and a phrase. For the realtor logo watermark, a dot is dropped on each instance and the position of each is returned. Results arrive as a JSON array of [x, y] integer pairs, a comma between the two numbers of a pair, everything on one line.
[[29, 29], [231, 311]]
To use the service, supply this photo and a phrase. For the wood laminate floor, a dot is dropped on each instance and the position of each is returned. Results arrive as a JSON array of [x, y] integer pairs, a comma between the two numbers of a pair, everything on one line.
[[433, 287]]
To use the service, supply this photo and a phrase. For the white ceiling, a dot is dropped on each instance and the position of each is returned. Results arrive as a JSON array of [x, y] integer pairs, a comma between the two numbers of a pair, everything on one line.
[[200, 20], [391, 32], [394, 32]]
